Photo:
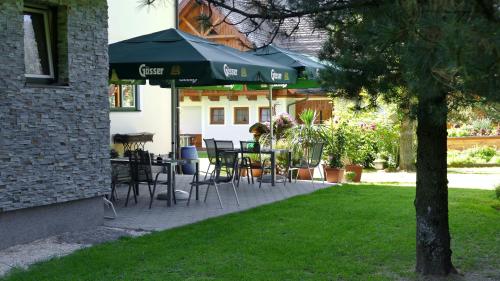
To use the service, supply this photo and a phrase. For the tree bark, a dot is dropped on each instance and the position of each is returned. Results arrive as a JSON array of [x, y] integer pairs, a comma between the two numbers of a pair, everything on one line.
[[406, 152], [431, 201]]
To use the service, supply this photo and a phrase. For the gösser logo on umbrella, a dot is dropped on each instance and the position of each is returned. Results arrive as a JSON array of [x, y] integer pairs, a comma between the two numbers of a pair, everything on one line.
[[145, 71], [230, 71]]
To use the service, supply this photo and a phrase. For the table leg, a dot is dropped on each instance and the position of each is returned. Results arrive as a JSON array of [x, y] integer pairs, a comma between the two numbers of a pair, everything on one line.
[[170, 183], [273, 168], [196, 178]]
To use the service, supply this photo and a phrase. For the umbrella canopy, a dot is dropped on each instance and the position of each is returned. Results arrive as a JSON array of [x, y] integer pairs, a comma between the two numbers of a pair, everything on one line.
[[308, 67], [189, 60]]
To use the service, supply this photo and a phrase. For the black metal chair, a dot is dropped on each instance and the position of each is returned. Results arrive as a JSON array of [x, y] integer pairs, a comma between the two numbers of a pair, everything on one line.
[[312, 162], [211, 153], [223, 173], [120, 175], [247, 147], [142, 172], [223, 145]]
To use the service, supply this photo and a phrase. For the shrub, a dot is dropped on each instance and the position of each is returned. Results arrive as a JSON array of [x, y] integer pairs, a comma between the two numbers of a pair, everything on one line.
[[485, 152], [495, 160], [473, 157], [350, 176], [497, 191]]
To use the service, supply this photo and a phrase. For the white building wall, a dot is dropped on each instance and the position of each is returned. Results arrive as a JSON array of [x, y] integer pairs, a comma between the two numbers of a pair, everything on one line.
[[228, 131], [127, 20]]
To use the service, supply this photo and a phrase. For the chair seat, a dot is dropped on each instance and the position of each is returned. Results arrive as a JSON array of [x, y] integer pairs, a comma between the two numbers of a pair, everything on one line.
[[221, 179]]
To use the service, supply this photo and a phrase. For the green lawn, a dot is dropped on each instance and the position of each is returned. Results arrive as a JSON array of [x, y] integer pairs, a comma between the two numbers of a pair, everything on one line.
[[202, 154], [351, 232]]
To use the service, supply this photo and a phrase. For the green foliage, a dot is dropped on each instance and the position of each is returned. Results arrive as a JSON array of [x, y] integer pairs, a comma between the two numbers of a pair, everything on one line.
[[474, 157], [350, 176], [485, 152], [367, 133], [258, 129], [301, 137], [334, 135], [361, 146], [497, 191]]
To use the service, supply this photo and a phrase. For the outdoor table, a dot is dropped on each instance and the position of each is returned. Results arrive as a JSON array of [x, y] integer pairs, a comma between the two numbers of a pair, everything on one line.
[[272, 153], [168, 167]]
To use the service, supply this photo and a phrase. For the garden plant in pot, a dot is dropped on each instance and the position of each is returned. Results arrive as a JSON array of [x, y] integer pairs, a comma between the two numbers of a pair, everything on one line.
[[334, 137], [301, 139], [361, 148]]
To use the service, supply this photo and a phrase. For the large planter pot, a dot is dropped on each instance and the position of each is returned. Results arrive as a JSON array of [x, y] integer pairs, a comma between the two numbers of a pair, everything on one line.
[[357, 169], [256, 169], [243, 172], [379, 164], [304, 174], [333, 175]]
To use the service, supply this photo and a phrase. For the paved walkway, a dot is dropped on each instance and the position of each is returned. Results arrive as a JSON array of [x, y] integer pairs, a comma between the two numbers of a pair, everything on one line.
[[160, 217]]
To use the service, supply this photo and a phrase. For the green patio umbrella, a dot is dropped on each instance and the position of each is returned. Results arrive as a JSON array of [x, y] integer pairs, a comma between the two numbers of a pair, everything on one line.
[[308, 67], [191, 61], [171, 58]]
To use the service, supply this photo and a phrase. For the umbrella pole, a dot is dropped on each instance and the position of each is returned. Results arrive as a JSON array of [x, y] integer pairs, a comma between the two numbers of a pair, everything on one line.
[[173, 112], [271, 114]]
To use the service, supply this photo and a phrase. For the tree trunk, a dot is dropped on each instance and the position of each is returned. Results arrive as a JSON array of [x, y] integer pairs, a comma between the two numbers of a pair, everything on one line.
[[406, 152], [431, 201]]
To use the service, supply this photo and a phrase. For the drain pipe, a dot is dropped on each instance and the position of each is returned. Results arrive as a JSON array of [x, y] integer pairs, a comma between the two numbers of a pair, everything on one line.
[[295, 102]]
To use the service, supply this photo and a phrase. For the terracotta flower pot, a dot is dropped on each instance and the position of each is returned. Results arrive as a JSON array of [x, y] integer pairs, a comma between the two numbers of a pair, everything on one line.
[[243, 172], [256, 169], [357, 169], [333, 174], [304, 174]]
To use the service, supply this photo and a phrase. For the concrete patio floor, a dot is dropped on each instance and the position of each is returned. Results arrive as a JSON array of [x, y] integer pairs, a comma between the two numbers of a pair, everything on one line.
[[160, 217]]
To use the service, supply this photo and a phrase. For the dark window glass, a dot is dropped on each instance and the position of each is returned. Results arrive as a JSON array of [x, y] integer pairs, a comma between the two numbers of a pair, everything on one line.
[[38, 59]]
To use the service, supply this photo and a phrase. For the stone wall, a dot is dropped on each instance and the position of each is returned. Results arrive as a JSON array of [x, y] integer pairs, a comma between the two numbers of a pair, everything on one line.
[[54, 140]]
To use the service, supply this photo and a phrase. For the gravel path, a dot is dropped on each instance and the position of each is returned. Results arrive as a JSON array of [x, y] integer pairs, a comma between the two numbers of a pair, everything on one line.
[[476, 178]]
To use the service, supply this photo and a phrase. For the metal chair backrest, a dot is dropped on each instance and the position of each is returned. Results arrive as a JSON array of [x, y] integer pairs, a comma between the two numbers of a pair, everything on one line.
[[224, 145], [249, 147], [120, 172], [227, 164], [211, 150], [140, 161], [315, 155]]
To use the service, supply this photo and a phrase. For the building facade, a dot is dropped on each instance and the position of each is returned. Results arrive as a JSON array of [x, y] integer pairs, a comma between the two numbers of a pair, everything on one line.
[[54, 117], [227, 114], [140, 108]]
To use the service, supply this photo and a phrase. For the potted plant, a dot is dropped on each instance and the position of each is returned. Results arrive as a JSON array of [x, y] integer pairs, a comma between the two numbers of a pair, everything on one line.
[[379, 164], [301, 138], [361, 148], [333, 135]]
